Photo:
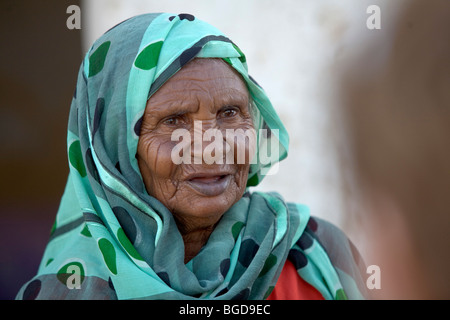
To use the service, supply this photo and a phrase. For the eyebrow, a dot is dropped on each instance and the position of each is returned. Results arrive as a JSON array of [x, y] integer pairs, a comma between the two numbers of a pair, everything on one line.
[[172, 106], [233, 98]]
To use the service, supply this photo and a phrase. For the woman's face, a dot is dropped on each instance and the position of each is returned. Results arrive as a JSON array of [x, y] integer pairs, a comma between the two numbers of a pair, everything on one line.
[[204, 94]]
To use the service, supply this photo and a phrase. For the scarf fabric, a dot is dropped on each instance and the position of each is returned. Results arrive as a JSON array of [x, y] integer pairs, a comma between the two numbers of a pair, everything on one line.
[[111, 240]]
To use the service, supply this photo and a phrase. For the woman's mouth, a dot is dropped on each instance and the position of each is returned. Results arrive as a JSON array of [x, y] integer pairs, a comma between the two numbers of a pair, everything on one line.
[[210, 185]]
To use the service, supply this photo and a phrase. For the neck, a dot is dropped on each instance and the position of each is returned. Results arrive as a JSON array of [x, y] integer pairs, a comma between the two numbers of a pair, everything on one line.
[[194, 241]]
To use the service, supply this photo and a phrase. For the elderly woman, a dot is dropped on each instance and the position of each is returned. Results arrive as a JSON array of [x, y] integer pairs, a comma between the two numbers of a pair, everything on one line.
[[137, 223]]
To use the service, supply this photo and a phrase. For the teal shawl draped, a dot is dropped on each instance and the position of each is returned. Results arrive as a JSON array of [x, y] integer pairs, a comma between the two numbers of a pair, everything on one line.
[[111, 240]]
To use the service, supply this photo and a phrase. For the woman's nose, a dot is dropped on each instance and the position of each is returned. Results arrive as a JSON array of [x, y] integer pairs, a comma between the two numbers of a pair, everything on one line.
[[209, 144]]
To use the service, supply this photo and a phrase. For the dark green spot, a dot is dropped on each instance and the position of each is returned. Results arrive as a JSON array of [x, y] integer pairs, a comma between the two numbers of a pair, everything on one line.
[[236, 229], [85, 232], [227, 60], [97, 59], [253, 180], [109, 254], [53, 228], [340, 295], [242, 55], [270, 262], [75, 158], [148, 58], [49, 261], [127, 245]]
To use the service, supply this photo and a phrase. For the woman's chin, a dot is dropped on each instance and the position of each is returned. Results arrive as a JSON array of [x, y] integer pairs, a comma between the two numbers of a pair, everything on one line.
[[198, 207]]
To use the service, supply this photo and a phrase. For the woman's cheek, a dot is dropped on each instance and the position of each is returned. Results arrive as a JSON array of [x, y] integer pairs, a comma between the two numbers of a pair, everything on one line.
[[242, 143], [162, 155], [156, 153]]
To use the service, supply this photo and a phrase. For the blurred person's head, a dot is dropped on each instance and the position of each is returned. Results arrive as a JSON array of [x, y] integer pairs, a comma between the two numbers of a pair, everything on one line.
[[399, 125]]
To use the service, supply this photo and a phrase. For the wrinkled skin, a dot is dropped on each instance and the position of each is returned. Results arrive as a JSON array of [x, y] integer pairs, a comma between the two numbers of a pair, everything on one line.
[[211, 91]]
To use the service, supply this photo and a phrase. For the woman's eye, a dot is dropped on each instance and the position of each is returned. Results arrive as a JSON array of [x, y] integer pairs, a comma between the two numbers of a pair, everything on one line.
[[229, 112], [172, 121]]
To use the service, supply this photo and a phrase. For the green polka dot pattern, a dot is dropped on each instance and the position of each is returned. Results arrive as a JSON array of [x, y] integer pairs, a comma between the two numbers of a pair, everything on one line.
[[109, 254], [148, 58], [127, 245], [97, 59], [76, 159]]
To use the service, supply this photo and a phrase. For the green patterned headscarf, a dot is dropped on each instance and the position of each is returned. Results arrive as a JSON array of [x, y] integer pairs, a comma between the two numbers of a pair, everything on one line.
[[111, 239]]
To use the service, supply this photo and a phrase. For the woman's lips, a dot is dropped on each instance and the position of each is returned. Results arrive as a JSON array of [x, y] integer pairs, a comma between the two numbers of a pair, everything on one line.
[[210, 185]]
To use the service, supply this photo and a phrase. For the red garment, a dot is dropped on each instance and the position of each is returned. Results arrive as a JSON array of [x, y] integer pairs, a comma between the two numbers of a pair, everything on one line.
[[291, 286]]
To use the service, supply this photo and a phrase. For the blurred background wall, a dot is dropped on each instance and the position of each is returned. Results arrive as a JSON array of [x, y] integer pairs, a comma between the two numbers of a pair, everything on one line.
[[292, 47], [39, 60]]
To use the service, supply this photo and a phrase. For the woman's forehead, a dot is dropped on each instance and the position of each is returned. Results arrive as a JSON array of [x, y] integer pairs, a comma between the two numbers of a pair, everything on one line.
[[211, 77], [209, 70]]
